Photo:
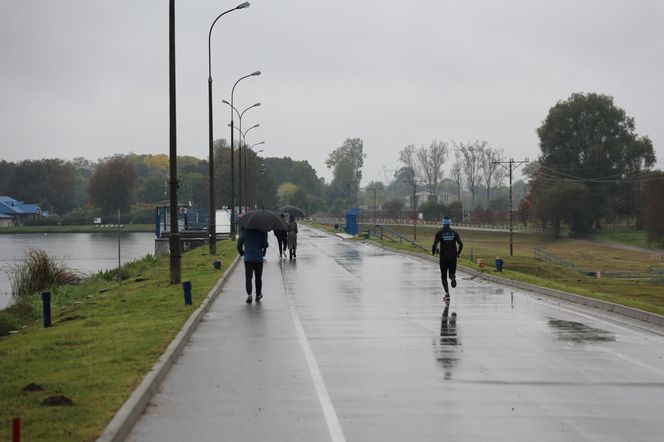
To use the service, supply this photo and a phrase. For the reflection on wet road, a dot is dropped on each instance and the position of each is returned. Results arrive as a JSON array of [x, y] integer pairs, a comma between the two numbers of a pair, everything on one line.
[[510, 367]]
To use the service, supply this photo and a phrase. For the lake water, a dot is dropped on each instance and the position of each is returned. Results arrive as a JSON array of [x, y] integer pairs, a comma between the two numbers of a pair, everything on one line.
[[83, 252]]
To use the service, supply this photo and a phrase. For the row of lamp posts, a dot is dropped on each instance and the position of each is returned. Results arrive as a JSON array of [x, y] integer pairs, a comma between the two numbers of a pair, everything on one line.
[[212, 209]]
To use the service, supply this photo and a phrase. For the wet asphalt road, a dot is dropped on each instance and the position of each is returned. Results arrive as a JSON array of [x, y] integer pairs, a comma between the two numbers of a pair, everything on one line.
[[349, 344]]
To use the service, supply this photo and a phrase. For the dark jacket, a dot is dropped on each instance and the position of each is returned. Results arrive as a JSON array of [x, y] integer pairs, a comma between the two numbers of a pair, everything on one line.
[[448, 240], [252, 244]]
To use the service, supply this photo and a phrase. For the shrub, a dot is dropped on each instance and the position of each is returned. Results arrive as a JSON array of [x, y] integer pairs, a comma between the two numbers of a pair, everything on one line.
[[37, 272]]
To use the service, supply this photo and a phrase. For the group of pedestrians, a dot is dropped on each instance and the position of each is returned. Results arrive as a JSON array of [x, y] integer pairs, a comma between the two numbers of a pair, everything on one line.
[[287, 239], [252, 246]]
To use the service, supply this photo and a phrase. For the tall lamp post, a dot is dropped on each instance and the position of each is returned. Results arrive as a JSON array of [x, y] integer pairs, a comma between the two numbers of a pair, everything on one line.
[[212, 225], [174, 237], [246, 173], [242, 140], [233, 153], [253, 166]]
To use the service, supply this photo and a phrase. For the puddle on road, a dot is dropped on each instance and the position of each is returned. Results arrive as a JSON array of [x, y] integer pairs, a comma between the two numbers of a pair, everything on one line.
[[579, 333]]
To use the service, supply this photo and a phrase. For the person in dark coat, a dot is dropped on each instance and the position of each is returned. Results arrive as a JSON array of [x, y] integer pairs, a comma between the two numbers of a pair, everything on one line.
[[292, 237], [252, 244], [448, 240], [282, 236]]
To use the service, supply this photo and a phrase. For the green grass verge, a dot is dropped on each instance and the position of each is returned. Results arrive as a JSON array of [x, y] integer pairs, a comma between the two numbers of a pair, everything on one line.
[[644, 294], [630, 237], [77, 229], [99, 348]]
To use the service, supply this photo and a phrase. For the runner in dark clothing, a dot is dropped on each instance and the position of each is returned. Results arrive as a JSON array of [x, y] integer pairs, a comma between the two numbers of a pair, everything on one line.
[[448, 240]]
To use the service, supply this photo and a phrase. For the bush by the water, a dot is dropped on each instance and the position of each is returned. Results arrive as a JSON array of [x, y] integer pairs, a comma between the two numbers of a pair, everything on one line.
[[38, 272]]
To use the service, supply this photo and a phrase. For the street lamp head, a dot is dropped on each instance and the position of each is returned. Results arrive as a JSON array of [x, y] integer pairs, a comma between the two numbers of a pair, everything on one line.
[[256, 105], [242, 5], [256, 73], [225, 102]]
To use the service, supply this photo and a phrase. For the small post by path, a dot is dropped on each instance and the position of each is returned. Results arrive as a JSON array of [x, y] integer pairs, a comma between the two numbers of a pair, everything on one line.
[[187, 292], [16, 430], [46, 308]]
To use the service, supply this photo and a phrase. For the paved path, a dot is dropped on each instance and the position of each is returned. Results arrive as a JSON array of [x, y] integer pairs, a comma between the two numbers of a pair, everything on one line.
[[349, 344]]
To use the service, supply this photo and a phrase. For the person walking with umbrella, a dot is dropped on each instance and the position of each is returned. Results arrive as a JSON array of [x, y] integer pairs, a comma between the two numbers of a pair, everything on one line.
[[292, 237], [282, 236], [252, 245], [448, 240]]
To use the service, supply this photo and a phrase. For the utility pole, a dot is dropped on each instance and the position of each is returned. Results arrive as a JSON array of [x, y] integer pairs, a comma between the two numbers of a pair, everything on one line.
[[374, 189], [174, 237], [511, 165], [414, 203]]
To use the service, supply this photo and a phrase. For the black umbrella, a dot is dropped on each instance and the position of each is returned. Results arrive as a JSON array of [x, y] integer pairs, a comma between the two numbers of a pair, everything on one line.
[[292, 210], [262, 220]]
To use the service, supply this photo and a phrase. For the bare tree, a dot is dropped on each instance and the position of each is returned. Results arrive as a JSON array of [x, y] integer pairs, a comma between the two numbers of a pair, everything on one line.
[[492, 174], [457, 172], [407, 156], [471, 163], [430, 163]]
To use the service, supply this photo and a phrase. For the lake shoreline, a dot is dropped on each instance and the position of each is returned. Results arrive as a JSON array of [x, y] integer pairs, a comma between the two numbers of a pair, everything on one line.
[[103, 228]]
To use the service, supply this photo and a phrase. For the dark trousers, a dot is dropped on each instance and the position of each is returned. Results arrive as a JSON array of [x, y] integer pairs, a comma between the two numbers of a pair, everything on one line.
[[282, 245], [253, 268], [447, 265]]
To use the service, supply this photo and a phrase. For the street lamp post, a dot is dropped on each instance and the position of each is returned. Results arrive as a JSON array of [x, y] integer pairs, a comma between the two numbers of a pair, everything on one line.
[[212, 224], [246, 174], [233, 153], [243, 171], [242, 141], [175, 266]]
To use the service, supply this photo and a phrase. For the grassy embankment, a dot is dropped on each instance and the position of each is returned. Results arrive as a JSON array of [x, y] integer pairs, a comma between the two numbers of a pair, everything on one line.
[[77, 229], [643, 294], [99, 348]]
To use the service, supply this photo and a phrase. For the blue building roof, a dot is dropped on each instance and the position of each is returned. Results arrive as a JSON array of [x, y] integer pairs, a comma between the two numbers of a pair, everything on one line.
[[10, 206]]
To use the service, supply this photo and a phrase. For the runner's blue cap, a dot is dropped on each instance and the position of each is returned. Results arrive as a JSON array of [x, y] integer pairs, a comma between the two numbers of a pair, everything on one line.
[[447, 221]]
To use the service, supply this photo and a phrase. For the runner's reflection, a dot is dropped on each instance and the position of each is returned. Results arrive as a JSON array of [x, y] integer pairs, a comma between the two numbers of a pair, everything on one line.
[[446, 346]]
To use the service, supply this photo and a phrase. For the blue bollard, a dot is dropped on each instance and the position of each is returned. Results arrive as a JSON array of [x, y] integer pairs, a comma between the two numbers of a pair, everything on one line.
[[187, 292], [46, 303]]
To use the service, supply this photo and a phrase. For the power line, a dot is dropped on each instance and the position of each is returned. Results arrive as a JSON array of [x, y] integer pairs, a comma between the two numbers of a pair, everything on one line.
[[511, 165]]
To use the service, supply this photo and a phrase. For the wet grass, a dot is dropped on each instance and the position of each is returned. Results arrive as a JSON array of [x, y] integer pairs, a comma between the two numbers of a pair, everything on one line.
[[99, 348], [644, 294], [630, 237]]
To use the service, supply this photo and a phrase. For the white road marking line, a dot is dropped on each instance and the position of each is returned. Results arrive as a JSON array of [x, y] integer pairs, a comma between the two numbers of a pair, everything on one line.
[[333, 425]]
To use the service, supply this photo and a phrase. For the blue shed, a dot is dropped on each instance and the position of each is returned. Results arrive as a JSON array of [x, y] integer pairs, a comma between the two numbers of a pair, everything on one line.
[[352, 216]]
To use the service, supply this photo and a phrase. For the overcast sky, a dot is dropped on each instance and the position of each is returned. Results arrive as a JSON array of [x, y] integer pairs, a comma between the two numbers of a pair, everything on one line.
[[90, 77]]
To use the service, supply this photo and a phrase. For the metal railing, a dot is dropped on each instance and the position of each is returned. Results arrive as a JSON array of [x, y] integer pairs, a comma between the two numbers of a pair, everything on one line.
[[656, 274], [391, 235]]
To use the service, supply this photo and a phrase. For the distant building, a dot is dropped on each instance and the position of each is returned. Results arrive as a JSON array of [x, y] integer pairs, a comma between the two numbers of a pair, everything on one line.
[[18, 211], [424, 196], [6, 221]]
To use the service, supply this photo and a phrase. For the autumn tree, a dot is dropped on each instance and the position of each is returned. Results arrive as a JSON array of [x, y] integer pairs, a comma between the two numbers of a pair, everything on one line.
[[589, 141], [346, 164], [112, 185]]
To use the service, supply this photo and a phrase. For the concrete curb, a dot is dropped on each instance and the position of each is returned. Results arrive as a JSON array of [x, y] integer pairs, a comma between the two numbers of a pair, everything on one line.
[[630, 312], [124, 420]]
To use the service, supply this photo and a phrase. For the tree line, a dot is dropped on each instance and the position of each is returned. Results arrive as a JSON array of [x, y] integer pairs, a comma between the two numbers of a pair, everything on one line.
[[593, 169]]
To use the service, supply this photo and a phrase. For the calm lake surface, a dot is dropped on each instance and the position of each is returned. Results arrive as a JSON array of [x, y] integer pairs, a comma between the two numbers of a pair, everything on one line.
[[82, 252]]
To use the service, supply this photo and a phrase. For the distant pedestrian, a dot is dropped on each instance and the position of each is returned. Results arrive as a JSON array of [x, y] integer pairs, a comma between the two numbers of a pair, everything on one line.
[[282, 236], [448, 240], [292, 237], [252, 244]]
